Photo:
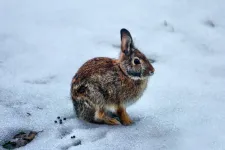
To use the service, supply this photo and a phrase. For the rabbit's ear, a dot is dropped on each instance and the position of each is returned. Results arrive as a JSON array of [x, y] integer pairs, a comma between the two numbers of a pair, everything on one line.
[[126, 41]]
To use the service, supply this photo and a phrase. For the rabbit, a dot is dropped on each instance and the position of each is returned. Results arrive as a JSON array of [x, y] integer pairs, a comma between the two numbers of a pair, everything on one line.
[[104, 84]]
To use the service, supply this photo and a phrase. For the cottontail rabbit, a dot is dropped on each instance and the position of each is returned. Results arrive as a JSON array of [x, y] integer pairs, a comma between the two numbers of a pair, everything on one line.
[[104, 84]]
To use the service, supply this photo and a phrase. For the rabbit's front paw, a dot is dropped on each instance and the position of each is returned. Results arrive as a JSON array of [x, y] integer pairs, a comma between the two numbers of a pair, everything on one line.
[[124, 117], [126, 120]]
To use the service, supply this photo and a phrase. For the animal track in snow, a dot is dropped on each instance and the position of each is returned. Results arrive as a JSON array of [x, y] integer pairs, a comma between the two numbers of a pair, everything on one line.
[[65, 131], [99, 136], [168, 26], [45, 80], [209, 23]]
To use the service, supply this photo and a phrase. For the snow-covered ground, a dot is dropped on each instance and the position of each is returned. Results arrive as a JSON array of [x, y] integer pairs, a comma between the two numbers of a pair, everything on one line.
[[43, 43]]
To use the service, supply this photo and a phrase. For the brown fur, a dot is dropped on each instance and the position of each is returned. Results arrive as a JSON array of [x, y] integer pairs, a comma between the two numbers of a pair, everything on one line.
[[103, 83]]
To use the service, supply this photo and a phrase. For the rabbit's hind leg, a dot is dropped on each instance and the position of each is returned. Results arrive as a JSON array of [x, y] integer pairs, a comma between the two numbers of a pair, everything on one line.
[[101, 116], [87, 112], [84, 110]]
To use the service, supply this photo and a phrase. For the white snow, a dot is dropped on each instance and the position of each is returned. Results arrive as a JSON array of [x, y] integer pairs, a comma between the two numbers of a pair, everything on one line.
[[43, 43]]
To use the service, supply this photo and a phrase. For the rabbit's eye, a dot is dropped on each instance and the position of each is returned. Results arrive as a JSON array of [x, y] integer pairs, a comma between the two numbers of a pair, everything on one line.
[[136, 61]]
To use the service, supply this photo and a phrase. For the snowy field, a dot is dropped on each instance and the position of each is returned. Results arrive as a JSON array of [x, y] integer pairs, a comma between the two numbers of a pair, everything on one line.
[[44, 42]]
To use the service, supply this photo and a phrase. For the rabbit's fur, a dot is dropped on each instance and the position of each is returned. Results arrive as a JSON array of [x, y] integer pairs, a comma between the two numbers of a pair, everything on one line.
[[103, 84]]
